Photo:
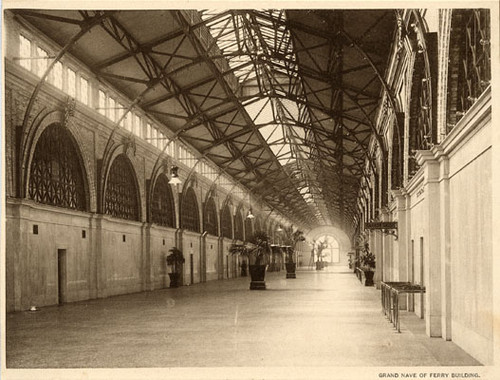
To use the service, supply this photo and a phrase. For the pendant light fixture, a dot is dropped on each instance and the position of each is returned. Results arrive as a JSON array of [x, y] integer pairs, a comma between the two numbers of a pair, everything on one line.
[[174, 176], [250, 215]]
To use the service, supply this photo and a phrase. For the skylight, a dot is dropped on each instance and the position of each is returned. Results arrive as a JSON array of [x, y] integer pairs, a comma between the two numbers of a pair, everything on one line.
[[259, 49]]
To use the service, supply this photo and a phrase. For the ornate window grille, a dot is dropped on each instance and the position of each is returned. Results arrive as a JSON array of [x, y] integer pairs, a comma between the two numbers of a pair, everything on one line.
[[238, 226], [397, 149], [210, 218], [162, 208], [469, 72], [56, 175], [121, 198], [189, 212], [423, 106], [475, 68], [226, 222]]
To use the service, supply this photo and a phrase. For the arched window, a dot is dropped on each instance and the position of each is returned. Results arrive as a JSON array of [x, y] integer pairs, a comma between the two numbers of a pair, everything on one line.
[[258, 224], [270, 230], [422, 72], [226, 222], [248, 228], [190, 219], [162, 207], [238, 226], [469, 70], [423, 103], [421, 131], [396, 151], [327, 249], [122, 198], [56, 175], [210, 218]]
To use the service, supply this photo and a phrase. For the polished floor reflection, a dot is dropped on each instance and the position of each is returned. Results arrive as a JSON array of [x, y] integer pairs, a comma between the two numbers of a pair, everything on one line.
[[322, 318]]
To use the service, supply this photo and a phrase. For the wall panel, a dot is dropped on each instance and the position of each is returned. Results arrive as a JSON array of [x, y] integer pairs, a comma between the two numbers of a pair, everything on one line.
[[32, 258], [122, 260], [212, 257], [471, 252], [191, 247], [159, 251]]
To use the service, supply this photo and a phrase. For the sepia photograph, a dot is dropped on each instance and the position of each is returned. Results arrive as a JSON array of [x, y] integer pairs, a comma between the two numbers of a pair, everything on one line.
[[228, 190]]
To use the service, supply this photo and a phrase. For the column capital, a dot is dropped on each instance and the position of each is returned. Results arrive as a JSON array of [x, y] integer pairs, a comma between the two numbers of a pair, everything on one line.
[[424, 156], [429, 161], [384, 211], [398, 193], [439, 153], [401, 196]]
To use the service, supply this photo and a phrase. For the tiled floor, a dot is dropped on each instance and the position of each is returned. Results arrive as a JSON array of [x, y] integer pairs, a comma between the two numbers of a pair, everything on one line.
[[318, 319]]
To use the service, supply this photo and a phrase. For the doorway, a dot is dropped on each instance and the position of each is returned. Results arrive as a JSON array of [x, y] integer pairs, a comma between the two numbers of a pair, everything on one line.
[[411, 297], [61, 276], [422, 296], [191, 263]]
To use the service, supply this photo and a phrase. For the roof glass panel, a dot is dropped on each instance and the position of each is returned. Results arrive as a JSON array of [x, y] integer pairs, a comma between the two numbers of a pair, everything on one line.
[[259, 49]]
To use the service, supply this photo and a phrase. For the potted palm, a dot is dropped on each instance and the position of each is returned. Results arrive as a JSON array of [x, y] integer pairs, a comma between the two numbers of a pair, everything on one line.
[[257, 251], [175, 260], [291, 239], [320, 247], [367, 260]]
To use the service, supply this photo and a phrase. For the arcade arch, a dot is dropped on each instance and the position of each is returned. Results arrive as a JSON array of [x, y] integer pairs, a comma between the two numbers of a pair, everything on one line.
[[338, 244]]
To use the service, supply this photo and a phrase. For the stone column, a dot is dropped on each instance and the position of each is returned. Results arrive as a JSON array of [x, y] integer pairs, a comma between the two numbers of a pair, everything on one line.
[[17, 228], [148, 270], [386, 248], [410, 258], [179, 245], [403, 233], [98, 262], [445, 241], [376, 249], [220, 258], [203, 257], [432, 243]]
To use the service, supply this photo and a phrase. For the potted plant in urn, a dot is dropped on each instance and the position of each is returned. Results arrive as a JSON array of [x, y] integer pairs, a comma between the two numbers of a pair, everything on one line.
[[320, 247], [367, 260], [291, 239], [257, 250], [175, 260]]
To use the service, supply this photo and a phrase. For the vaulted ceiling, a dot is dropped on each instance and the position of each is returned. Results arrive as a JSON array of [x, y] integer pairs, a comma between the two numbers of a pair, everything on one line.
[[284, 101]]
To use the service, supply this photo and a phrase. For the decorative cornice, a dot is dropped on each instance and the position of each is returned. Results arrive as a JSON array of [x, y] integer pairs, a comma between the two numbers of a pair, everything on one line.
[[414, 182], [423, 156], [438, 152], [401, 192], [470, 123], [31, 204]]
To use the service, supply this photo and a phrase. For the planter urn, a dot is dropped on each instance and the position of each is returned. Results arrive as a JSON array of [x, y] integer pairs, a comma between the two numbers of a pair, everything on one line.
[[290, 270], [369, 278], [257, 274], [174, 280]]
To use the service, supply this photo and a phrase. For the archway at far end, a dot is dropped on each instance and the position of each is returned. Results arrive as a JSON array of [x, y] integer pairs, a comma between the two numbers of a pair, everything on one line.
[[327, 249], [336, 245]]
